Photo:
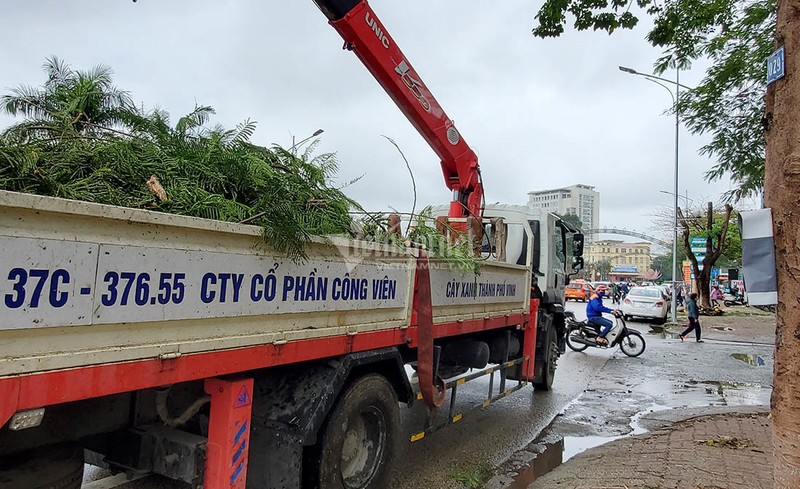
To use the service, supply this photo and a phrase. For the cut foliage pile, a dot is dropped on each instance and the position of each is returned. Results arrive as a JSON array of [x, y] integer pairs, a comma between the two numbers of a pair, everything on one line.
[[81, 138]]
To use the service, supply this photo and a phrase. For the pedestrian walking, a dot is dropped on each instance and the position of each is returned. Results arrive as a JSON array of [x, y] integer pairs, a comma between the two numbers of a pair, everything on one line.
[[623, 290], [614, 293], [694, 318], [716, 296]]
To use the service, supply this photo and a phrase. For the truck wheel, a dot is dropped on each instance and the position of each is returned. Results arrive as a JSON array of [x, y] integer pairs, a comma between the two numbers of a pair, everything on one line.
[[358, 440], [545, 382], [55, 467]]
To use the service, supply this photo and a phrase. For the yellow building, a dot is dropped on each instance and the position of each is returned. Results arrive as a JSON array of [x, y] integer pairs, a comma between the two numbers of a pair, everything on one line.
[[629, 261]]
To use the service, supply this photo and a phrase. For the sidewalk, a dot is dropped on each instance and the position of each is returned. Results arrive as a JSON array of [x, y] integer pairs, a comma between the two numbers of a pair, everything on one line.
[[756, 328], [717, 451]]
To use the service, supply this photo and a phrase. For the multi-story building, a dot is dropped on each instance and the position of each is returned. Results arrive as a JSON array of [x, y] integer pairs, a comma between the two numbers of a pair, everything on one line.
[[579, 200], [629, 261]]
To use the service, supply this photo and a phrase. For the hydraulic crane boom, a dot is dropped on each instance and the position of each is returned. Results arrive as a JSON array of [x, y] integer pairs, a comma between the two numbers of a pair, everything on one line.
[[366, 36]]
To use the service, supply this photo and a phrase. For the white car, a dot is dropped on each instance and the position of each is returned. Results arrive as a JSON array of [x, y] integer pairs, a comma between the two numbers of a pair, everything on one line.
[[646, 302], [666, 291]]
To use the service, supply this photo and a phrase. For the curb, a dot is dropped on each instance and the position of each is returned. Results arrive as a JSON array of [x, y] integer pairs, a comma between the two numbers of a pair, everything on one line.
[[661, 420]]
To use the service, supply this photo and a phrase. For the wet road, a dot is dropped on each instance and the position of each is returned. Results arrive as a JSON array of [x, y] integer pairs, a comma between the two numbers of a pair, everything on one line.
[[669, 375], [485, 436], [492, 434]]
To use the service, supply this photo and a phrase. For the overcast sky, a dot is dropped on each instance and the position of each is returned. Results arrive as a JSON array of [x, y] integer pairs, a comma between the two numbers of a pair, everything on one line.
[[539, 113]]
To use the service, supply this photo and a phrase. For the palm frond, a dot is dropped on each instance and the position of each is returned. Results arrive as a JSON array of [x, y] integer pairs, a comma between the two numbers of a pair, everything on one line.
[[244, 131], [58, 72], [194, 119]]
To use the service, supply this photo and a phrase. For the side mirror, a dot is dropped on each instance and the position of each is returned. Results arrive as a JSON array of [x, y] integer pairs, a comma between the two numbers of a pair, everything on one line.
[[577, 263], [577, 245]]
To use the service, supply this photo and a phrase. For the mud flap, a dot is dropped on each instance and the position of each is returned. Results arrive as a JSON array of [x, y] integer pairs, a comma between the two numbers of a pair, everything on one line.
[[276, 459], [228, 433], [544, 324]]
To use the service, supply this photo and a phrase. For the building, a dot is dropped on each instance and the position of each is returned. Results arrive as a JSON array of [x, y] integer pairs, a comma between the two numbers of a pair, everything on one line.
[[629, 261], [579, 200]]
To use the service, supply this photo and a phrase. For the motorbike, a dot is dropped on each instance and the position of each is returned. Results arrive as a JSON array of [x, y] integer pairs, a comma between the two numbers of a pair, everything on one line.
[[738, 300], [581, 335]]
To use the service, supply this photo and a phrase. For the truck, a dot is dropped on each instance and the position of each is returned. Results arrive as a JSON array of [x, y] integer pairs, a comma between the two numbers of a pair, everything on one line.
[[146, 342]]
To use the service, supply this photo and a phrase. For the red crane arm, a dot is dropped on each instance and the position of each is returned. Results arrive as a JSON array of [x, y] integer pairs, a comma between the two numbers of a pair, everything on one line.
[[366, 36]]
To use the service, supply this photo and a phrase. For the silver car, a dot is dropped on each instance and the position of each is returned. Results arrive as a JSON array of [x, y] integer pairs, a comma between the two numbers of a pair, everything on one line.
[[646, 302]]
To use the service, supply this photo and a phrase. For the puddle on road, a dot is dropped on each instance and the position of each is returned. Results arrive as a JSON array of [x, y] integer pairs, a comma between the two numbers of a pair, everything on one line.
[[551, 450], [573, 445], [550, 457], [745, 394], [750, 359]]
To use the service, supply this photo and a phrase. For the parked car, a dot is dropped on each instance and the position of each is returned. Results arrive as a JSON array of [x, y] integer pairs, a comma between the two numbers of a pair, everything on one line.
[[646, 302], [666, 291], [578, 291]]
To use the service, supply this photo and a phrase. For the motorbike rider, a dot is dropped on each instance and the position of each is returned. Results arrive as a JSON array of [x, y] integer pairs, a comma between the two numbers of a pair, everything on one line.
[[594, 313]]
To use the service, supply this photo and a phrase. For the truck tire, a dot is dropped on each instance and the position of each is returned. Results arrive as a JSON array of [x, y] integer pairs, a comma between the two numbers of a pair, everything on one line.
[[54, 467], [550, 354], [359, 438]]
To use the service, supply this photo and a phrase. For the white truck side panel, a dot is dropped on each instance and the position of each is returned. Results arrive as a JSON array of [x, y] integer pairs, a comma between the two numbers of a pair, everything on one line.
[[43, 280], [85, 284], [499, 289], [56, 250]]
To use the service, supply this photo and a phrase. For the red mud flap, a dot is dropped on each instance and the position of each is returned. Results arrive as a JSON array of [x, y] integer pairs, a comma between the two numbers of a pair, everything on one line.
[[529, 343], [431, 385], [228, 433]]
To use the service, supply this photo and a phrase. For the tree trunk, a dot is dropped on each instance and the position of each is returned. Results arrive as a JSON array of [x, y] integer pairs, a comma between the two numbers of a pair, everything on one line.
[[704, 278], [703, 288], [781, 193]]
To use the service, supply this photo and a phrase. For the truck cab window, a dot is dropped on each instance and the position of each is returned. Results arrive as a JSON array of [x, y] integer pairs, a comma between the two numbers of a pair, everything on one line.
[[559, 242]]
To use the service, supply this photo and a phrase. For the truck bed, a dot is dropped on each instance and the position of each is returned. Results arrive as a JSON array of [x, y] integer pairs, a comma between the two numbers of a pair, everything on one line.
[[85, 284]]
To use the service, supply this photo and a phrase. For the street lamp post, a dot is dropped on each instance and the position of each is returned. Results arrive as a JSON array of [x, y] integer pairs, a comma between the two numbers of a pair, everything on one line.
[[675, 100], [297, 145], [685, 198]]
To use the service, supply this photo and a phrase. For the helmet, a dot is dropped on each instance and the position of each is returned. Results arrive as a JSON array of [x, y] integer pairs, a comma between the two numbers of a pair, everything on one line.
[[601, 290]]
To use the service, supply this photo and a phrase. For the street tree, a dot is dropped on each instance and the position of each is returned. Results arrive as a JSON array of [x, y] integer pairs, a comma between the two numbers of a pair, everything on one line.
[[603, 269], [663, 264], [782, 181], [732, 252], [735, 35], [696, 220], [716, 240]]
